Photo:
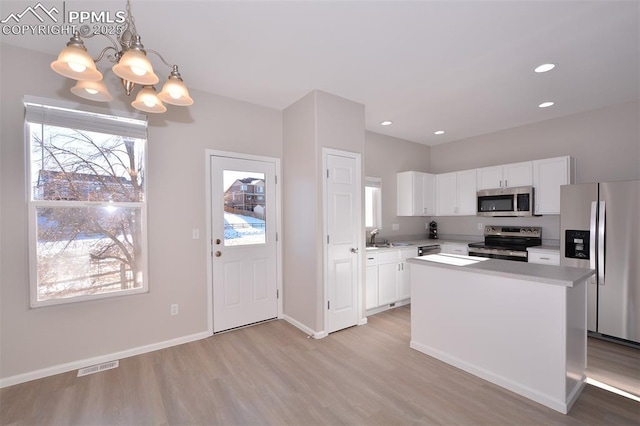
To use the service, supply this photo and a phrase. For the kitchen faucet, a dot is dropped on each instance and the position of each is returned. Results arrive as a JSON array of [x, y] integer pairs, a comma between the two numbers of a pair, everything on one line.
[[373, 236]]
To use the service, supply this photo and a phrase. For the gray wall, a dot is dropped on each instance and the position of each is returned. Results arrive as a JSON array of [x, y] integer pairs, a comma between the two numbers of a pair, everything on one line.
[[384, 157], [34, 339], [319, 120], [605, 144]]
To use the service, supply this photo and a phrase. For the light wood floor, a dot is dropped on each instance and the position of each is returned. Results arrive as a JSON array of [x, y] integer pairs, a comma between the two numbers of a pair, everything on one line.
[[273, 374]]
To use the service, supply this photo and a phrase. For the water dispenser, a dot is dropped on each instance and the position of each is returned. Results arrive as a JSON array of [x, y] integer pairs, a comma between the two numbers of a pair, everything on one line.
[[576, 244]]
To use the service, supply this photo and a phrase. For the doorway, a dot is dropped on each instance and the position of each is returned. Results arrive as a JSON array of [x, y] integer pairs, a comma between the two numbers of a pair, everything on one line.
[[244, 248]]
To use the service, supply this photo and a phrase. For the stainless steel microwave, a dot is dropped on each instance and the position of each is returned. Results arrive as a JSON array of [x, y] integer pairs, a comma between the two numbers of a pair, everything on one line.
[[516, 201]]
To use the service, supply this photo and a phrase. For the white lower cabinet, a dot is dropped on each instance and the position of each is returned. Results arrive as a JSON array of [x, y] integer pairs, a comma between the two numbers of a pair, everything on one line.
[[371, 281], [388, 280], [543, 256]]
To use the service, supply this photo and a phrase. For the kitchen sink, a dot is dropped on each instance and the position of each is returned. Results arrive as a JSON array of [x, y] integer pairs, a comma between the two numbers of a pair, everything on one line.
[[387, 245]]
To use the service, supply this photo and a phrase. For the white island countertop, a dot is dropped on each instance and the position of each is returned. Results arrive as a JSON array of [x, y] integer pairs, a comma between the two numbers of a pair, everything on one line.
[[548, 274]]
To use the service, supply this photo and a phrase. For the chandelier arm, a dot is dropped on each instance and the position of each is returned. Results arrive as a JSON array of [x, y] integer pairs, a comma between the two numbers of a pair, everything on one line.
[[161, 58], [114, 47], [99, 58]]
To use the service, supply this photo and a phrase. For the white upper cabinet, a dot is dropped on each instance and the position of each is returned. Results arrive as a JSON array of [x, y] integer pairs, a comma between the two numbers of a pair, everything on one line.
[[456, 193], [548, 175], [415, 194], [503, 176]]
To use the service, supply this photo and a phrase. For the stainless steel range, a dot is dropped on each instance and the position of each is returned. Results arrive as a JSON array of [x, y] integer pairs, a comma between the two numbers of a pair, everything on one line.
[[507, 242]]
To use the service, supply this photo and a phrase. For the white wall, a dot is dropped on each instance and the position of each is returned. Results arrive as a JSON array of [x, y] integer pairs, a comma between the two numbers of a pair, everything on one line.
[[384, 157], [35, 339]]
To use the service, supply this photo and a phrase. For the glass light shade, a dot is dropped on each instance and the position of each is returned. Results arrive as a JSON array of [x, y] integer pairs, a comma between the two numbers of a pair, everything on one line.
[[92, 90], [74, 62], [175, 92], [147, 101], [135, 66]]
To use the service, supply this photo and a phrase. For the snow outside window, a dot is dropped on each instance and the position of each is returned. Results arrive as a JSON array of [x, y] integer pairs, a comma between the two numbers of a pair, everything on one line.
[[87, 208]]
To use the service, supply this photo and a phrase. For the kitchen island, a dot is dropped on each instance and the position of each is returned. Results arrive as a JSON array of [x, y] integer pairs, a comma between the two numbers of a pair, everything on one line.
[[519, 325]]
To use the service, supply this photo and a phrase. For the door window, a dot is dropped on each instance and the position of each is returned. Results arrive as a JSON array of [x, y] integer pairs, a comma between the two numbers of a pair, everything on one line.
[[244, 208]]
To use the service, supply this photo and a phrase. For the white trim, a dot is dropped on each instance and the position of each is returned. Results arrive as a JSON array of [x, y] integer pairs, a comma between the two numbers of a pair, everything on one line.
[[360, 294], [209, 230], [311, 333], [75, 365]]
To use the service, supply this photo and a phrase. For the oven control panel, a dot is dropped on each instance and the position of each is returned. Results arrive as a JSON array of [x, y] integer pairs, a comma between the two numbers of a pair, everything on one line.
[[513, 231]]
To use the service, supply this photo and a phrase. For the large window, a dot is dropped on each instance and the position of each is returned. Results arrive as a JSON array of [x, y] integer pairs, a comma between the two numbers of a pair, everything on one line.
[[87, 208]]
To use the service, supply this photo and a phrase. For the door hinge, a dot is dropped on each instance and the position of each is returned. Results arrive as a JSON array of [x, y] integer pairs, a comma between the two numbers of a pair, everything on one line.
[[328, 305], [327, 173], [276, 179], [276, 237], [327, 239], [278, 293]]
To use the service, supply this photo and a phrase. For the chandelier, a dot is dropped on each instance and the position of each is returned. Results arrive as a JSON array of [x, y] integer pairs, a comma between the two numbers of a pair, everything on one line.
[[131, 65]]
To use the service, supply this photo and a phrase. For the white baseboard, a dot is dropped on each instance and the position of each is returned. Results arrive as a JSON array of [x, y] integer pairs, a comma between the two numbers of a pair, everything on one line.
[[536, 395], [75, 365], [307, 330]]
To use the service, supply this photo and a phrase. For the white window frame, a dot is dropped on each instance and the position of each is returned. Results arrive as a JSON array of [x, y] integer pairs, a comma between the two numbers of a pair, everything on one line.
[[76, 116], [374, 183]]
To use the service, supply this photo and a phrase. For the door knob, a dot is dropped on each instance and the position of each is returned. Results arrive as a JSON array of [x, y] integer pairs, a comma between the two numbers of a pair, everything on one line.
[[218, 241], [218, 253], [354, 250]]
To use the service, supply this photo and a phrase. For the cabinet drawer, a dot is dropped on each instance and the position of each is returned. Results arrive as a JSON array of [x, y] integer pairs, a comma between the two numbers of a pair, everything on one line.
[[544, 258], [387, 256], [454, 248], [372, 259]]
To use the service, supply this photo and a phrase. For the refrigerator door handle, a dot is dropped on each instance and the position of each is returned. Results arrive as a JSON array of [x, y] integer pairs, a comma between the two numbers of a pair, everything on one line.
[[601, 242], [592, 236]]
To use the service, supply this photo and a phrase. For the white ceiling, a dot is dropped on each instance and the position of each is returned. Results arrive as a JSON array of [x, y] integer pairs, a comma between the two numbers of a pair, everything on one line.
[[465, 67]]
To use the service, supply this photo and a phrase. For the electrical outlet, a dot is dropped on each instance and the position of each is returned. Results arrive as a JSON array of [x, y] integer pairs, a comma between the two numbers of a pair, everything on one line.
[[426, 225], [480, 227], [174, 309], [195, 233], [395, 226]]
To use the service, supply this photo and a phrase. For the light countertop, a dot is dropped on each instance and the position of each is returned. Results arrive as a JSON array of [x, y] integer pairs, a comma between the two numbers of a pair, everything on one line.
[[419, 243], [548, 274]]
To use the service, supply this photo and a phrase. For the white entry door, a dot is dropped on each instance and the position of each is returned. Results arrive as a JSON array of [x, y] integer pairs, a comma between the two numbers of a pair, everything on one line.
[[343, 213], [244, 247]]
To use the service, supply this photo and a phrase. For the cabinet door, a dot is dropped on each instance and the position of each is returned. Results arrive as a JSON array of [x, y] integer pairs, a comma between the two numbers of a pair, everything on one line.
[[387, 283], [428, 194], [372, 287], [404, 282], [518, 174], [404, 193], [548, 175], [446, 194], [489, 177], [467, 193]]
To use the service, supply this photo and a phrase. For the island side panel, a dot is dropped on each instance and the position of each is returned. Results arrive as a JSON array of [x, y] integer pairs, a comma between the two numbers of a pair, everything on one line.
[[576, 340], [511, 332]]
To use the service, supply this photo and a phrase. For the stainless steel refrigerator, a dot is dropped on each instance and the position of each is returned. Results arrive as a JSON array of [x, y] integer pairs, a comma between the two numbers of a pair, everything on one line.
[[600, 229]]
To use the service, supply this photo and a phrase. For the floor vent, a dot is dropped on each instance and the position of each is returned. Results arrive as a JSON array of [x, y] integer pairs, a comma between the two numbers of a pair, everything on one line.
[[97, 368]]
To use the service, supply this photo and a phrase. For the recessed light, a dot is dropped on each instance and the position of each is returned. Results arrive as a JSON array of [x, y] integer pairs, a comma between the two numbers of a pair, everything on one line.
[[545, 104], [386, 123], [545, 67], [439, 132]]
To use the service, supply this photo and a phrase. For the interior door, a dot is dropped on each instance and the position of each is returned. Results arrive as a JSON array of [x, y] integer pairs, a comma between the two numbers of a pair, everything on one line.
[[343, 212], [244, 251]]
